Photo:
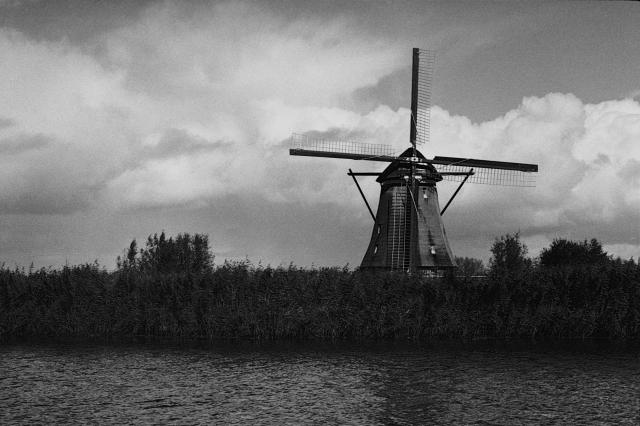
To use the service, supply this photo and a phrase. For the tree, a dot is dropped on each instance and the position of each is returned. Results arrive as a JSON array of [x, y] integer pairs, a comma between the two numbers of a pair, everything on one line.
[[185, 253], [468, 266], [508, 256], [132, 253], [564, 252]]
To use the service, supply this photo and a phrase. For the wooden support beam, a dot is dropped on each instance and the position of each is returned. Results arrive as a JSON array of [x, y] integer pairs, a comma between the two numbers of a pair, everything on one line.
[[456, 193], [353, 176]]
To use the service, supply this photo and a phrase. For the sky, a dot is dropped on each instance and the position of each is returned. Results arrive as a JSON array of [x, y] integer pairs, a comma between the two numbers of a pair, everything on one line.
[[120, 119]]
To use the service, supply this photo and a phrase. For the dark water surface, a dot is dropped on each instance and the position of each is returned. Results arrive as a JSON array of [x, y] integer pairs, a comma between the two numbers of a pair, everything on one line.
[[309, 384]]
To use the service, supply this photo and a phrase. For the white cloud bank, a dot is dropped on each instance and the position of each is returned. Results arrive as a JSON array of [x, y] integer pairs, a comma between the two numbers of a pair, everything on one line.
[[185, 108], [589, 167]]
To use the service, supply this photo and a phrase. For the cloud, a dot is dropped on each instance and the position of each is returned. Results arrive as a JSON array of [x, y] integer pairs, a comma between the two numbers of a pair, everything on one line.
[[6, 122], [189, 106], [586, 187], [587, 184], [260, 78], [246, 50], [635, 95], [179, 107], [16, 3], [21, 143], [65, 126], [176, 142]]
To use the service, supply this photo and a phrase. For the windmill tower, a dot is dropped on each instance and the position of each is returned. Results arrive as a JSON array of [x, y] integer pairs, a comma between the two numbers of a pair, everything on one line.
[[408, 232]]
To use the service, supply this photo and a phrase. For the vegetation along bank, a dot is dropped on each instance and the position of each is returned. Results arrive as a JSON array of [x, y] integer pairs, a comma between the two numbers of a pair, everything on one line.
[[171, 289]]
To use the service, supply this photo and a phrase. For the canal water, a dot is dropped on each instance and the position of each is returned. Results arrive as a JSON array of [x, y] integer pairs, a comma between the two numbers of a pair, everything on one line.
[[311, 384]]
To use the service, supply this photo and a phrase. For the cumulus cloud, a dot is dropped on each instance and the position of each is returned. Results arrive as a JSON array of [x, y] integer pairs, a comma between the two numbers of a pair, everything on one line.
[[587, 185], [188, 106], [249, 88]]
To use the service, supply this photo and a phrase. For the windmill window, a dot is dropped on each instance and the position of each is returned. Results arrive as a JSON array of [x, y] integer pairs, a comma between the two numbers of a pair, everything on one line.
[[379, 229], [375, 250]]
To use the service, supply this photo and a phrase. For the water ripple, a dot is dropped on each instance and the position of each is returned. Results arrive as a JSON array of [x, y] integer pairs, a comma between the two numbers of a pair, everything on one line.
[[311, 385]]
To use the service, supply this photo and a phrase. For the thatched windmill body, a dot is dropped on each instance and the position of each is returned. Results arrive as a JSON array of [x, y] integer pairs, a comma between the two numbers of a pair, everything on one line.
[[408, 232]]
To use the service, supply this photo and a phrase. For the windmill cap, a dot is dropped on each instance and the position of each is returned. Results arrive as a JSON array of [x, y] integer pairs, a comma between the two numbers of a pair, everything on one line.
[[398, 169]]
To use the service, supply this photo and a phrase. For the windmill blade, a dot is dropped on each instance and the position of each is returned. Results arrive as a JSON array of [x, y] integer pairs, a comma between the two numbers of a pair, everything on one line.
[[318, 147], [486, 164], [488, 172], [422, 76], [488, 176]]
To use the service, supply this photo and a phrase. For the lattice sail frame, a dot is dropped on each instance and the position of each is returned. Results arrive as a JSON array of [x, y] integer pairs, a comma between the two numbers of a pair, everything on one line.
[[339, 146], [380, 152], [489, 176], [425, 78]]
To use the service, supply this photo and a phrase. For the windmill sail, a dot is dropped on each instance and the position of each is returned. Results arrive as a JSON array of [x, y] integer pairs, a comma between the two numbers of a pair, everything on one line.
[[487, 164], [489, 176], [422, 75], [333, 148], [487, 172]]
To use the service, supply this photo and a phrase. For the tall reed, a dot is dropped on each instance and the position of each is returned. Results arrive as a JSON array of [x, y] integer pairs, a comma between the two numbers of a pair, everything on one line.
[[240, 300]]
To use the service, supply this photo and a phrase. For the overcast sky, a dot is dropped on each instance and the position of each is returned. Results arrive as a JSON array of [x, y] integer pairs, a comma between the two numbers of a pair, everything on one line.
[[121, 119]]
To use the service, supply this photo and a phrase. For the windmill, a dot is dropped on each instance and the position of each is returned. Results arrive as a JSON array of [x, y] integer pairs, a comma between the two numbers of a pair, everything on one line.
[[408, 232]]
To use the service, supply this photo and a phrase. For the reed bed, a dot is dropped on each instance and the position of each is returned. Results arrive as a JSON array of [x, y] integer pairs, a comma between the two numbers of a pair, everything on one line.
[[521, 299]]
